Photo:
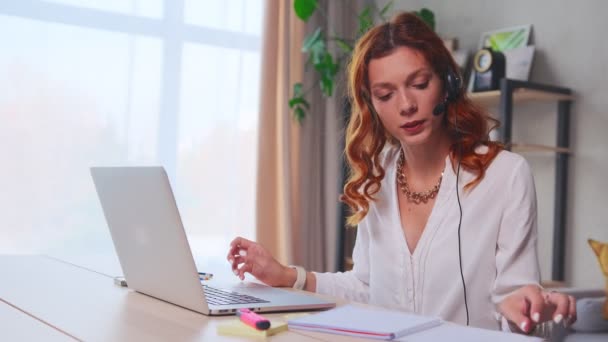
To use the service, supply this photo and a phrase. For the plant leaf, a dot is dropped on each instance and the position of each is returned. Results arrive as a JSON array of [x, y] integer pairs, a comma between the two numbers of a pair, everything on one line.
[[304, 8], [366, 20], [312, 39], [299, 113], [427, 16], [326, 65], [326, 69], [315, 45], [327, 86], [297, 89], [298, 101], [385, 9], [344, 45]]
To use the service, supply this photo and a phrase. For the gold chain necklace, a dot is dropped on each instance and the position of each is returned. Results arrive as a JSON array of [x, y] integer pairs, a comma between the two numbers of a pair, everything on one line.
[[413, 196]]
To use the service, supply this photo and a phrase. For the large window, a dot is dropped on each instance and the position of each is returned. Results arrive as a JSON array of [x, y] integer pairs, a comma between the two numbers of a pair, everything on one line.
[[126, 82]]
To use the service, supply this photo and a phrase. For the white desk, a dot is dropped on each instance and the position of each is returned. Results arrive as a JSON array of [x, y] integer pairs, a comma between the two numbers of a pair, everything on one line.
[[86, 305], [16, 325]]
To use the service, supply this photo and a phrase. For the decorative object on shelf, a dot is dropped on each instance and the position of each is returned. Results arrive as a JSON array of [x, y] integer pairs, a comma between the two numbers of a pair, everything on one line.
[[601, 251], [489, 68], [506, 38], [519, 62], [513, 43]]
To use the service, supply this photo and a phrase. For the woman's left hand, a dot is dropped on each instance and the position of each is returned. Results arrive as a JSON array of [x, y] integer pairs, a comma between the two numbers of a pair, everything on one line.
[[530, 305]]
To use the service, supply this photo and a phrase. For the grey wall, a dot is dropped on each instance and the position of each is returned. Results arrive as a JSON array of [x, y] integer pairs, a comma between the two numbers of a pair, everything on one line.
[[570, 38]]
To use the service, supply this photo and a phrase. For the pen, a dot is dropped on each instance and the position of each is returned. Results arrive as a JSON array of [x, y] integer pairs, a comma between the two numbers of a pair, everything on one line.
[[205, 276], [252, 319]]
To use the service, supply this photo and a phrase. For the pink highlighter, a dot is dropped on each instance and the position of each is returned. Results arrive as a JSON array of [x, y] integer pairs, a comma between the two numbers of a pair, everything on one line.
[[252, 319]]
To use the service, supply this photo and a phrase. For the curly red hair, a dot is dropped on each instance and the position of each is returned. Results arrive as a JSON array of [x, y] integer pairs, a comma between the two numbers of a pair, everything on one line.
[[467, 125]]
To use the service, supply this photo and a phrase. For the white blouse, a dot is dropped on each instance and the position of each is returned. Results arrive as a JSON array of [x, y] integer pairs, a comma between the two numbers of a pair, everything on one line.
[[498, 237]]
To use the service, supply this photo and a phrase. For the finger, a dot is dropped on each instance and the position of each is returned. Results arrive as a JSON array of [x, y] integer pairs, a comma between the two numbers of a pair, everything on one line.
[[562, 306], [526, 324], [239, 263], [243, 259], [235, 265], [235, 251], [247, 267], [537, 303], [241, 242], [238, 247], [235, 241], [518, 315], [571, 310], [237, 260], [234, 246], [232, 256]]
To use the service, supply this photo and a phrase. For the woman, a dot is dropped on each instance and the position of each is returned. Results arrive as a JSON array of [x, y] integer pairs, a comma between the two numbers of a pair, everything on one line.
[[446, 218]]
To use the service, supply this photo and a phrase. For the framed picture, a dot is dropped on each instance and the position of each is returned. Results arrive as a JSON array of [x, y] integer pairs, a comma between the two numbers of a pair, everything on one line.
[[507, 38], [513, 43]]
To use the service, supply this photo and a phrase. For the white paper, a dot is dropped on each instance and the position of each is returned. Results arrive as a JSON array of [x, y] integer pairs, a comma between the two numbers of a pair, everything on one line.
[[519, 62]]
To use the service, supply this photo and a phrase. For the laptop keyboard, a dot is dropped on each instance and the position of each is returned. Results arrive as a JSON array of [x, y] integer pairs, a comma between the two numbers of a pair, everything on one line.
[[223, 297]]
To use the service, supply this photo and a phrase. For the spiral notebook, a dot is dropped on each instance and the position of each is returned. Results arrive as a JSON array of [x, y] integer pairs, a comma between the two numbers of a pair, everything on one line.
[[365, 322]]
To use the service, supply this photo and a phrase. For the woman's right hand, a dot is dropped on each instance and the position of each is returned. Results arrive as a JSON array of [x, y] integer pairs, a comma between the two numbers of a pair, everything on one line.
[[248, 256]]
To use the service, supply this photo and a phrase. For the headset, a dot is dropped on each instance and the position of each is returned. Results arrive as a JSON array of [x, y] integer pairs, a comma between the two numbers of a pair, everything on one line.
[[453, 87]]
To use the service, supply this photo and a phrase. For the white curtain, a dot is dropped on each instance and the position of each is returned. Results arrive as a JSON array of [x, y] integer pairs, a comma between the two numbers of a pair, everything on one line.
[[130, 82]]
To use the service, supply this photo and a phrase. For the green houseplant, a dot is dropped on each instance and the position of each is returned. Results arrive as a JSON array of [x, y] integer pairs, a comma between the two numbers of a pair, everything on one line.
[[325, 64]]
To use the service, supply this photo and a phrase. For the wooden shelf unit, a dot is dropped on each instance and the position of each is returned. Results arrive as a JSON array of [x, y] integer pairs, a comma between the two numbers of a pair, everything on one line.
[[492, 98], [522, 147]]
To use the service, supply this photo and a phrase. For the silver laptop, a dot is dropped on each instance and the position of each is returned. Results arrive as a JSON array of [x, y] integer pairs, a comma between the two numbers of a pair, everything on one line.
[[154, 253]]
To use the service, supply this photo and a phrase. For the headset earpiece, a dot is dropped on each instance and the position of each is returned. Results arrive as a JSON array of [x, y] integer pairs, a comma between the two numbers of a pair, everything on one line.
[[453, 87], [453, 84]]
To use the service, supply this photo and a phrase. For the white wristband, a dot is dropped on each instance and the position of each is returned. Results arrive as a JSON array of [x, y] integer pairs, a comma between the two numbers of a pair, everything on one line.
[[300, 278]]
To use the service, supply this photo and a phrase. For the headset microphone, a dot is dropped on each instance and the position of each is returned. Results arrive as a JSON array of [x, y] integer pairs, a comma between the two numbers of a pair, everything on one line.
[[440, 108]]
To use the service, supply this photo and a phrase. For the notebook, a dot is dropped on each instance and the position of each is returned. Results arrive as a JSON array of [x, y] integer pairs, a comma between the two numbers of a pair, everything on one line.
[[365, 322]]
